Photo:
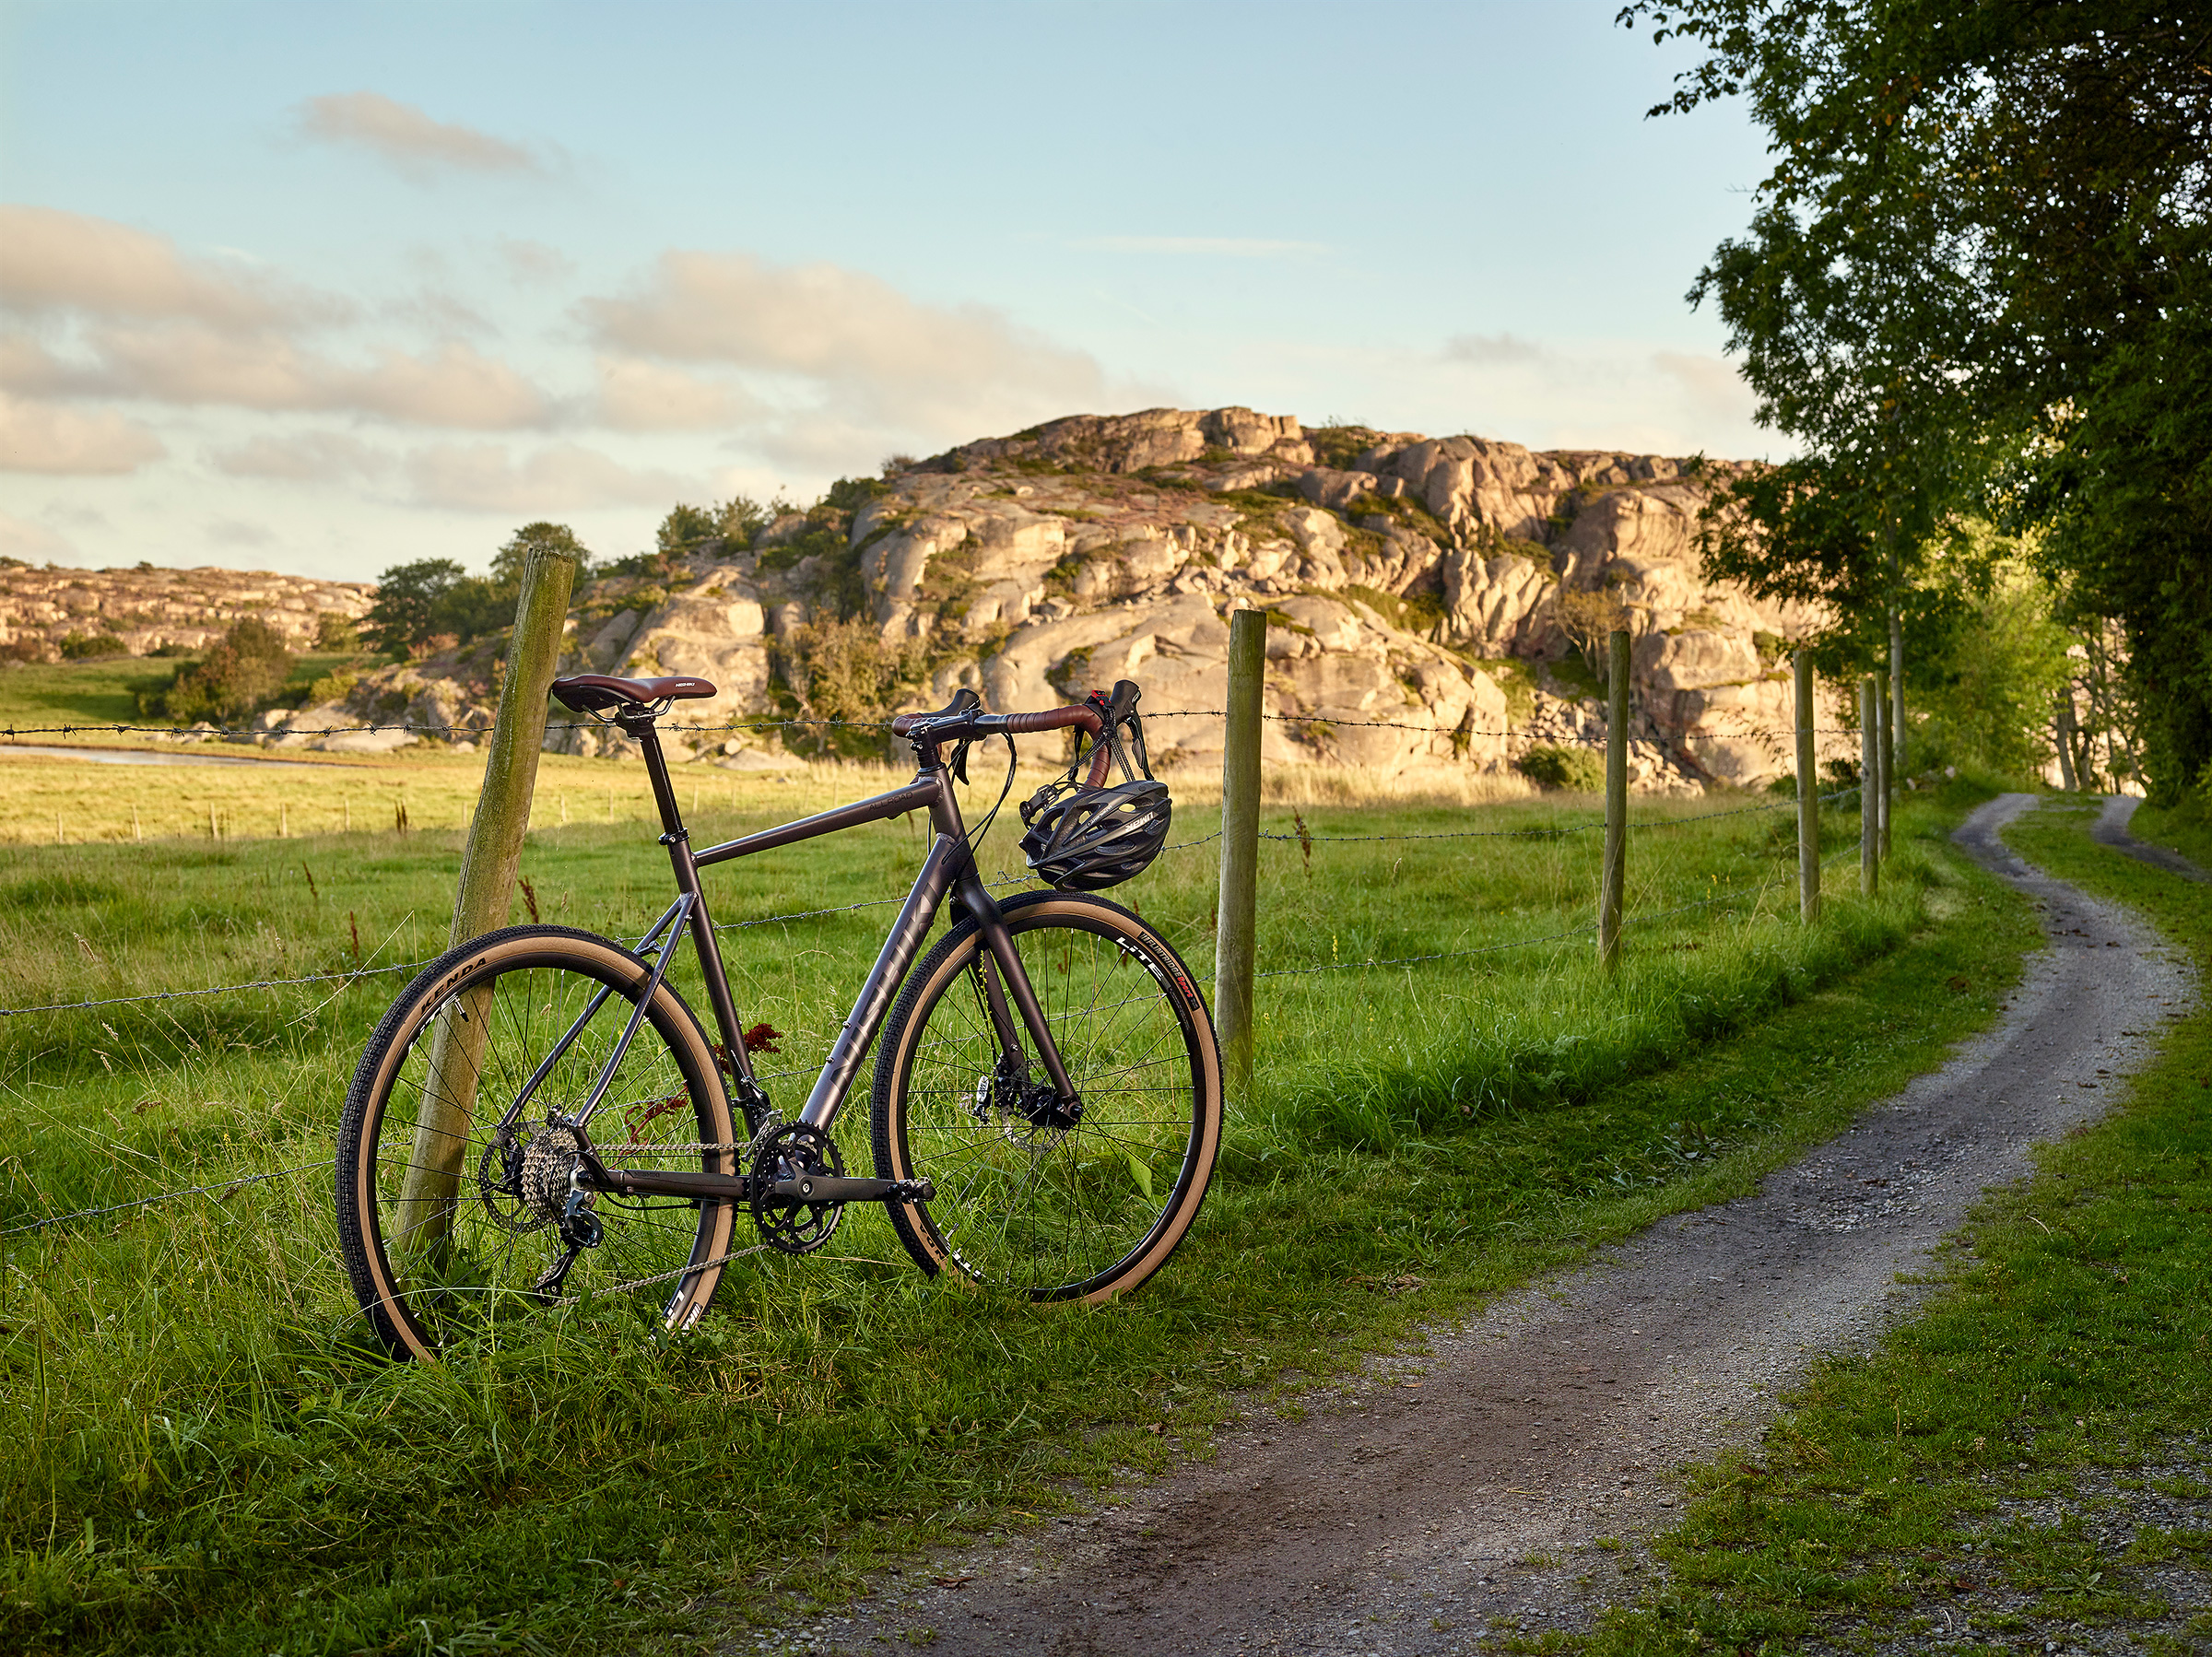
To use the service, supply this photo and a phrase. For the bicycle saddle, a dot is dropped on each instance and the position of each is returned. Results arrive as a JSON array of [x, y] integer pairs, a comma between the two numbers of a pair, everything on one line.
[[596, 692]]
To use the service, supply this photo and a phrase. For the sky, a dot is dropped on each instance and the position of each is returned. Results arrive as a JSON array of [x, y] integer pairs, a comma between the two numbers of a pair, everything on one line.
[[327, 288]]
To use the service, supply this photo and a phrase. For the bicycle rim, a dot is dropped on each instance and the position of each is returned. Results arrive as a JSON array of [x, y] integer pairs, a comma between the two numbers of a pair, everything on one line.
[[453, 1225], [1046, 1209]]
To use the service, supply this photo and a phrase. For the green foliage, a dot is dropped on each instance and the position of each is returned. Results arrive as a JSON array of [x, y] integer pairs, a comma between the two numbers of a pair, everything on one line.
[[1579, 770], [1338, 445], [1998, 681], [83, 646], [405, 617], [842, 671], [1409, 612], [434, 604], [243, 671], [334, 631], [1981, 270], [507, 563]]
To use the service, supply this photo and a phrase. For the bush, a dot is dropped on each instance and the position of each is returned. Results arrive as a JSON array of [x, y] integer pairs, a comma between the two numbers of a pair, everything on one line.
[[26, 649], [1576, 768], [244, 670], [335, 632], [83, 646], [844, 671]]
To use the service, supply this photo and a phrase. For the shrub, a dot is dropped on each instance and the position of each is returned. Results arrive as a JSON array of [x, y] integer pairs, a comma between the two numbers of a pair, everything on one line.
[[26, 649], [1576, 768], [83, 646], [844, 671], [244, 670], [334, 631]]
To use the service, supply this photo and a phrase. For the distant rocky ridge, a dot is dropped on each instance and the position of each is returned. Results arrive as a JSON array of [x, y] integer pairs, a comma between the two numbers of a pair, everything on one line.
[[1417, 588], [148, 608]]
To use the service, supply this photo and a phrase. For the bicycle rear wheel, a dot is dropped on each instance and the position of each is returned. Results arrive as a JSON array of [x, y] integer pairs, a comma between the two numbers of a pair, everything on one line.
[[1027, 1201], [452, 1225]]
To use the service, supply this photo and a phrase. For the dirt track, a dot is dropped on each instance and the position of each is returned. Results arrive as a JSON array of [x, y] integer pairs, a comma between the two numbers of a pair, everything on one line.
[[1404, 1516]]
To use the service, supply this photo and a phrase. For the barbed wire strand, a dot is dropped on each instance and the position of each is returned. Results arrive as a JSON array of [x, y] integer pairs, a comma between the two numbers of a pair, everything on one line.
[[223, 1189]]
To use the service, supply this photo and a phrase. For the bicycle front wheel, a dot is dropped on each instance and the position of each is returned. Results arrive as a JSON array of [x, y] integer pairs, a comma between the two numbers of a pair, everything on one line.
[[1027, 1201], [453, 1218]]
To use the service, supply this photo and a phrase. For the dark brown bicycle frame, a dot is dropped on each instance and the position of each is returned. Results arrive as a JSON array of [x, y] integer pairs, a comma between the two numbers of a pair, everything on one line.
[[949, 869]]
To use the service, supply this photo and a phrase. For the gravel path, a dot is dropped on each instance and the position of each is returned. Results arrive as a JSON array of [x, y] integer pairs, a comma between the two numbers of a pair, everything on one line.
[[1446, 1491]]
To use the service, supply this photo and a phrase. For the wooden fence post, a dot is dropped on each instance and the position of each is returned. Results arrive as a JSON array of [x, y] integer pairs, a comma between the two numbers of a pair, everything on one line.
[[1808, 796], [1885, 751], [489, 860], [1236, 942], [1613, 876], [1870, 786]]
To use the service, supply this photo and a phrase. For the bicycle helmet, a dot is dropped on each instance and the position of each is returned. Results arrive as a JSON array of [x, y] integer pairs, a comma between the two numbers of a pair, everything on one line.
[[1094, 838], [1084, 839]]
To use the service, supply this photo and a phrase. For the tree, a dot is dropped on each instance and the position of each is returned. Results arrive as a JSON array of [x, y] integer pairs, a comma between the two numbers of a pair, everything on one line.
[[246, 668], [507, 563], [1989, 222], [405, 617]]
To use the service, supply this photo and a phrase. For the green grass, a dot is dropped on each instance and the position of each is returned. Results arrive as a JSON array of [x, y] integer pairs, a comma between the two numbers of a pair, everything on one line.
[[204, 1461], [2074, 1333]]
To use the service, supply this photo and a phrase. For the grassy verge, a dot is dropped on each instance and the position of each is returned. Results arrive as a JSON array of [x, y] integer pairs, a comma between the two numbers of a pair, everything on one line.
[[1963, 1479], [201, 1461]]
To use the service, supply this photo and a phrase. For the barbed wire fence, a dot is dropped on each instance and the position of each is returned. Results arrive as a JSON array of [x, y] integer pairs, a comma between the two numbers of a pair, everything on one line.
[[1614, 825]]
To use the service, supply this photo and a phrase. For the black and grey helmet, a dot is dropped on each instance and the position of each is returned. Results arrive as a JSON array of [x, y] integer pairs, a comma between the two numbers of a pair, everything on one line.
[[1093, 838]]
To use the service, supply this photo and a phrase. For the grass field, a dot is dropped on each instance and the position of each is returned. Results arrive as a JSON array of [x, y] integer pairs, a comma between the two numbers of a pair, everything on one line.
[[2065, 1358], [205, 1461]]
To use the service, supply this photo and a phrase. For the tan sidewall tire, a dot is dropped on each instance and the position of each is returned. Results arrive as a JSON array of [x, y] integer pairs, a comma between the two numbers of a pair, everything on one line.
[[1198, 1170], [494, 953]]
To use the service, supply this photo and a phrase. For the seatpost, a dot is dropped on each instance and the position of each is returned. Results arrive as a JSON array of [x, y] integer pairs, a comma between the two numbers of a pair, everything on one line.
[[639, 725]]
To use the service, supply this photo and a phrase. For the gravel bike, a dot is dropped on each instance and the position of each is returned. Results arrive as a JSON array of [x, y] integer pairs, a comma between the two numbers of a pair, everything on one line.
[[540, 1116]]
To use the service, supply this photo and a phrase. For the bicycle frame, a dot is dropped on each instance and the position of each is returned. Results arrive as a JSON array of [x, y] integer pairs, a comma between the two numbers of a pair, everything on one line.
[[948, 870]]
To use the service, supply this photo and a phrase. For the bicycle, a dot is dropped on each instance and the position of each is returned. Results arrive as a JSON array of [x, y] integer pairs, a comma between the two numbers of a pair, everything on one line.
[[540, 1117]]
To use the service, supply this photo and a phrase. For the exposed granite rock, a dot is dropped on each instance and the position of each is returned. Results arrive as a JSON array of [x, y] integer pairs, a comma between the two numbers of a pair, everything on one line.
[[147, 607], [1414, 583]]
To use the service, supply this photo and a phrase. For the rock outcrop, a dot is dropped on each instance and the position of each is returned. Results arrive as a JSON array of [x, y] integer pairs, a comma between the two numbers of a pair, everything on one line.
[[147, 608], [1418, 589]]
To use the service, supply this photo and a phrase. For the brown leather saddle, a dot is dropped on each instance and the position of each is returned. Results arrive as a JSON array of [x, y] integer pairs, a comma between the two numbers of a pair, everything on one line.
[[599, 692]]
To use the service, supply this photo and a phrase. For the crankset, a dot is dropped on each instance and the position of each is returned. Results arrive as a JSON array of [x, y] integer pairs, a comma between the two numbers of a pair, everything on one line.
[[790, 1160]]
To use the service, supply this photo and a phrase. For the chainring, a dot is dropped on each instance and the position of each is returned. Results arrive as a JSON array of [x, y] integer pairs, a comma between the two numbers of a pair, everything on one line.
[[790, 1152]]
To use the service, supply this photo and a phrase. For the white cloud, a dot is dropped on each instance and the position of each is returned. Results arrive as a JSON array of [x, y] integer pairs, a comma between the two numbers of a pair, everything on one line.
[[122, 313], [844, 364], [408, 138], [33, 544], [564, 478], [1716, 390], [1213, 247], [638, 395], [535, 262], [1491, 350], [52, 262], [239, 532], [36, 437], [309, 457]]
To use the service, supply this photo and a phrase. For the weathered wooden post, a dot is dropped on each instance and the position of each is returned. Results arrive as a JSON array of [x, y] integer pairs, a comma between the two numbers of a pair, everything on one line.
[[1613, 876], [1884, 750], [1870, 786], [489, 860], [1897, 695], [1236, 940], [1808, 796]]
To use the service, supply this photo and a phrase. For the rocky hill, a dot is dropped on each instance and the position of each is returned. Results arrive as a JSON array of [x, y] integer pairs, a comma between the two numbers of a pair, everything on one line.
[[44, 612], [1424, 594]]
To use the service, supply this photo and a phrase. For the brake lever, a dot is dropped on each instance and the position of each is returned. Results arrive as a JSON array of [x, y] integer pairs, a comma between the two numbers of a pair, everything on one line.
[[958, 764]]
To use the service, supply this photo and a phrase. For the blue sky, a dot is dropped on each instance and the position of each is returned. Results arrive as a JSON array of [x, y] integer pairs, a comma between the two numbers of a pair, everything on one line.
[[325, 288]]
